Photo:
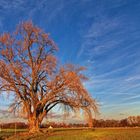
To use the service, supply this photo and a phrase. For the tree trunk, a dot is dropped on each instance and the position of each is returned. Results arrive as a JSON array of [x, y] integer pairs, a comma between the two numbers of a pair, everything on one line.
[[90, 123], [89, 118], [34, 125]]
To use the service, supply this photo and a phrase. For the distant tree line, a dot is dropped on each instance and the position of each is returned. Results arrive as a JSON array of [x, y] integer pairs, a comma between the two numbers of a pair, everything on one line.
[[132, 121], [13, 125]]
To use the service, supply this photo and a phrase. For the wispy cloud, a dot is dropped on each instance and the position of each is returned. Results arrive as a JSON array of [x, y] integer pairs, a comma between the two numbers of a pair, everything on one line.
[[9, 5], [111, 42], [104, 36], [92, 39]]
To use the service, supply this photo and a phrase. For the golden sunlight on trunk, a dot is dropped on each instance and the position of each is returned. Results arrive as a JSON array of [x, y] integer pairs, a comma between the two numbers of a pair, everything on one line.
[[33, 125]]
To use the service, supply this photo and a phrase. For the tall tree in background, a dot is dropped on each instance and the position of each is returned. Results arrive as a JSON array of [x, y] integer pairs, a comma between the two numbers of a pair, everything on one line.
[[28, 68]]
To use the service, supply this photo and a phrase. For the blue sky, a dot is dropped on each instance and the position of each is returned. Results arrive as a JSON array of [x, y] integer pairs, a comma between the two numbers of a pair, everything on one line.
[[103, 35]]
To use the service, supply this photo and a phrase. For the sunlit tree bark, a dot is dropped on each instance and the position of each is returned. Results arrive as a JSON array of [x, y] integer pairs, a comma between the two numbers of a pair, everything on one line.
[[28, 68]]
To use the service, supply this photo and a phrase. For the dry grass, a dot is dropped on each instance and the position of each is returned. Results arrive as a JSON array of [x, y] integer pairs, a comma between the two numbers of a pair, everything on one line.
[[77, 134]]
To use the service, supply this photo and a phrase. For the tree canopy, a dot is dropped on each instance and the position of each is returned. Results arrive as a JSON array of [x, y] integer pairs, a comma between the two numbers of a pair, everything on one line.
[[29, 69]]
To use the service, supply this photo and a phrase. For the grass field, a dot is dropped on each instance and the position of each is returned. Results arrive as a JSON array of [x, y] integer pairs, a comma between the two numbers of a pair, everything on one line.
[[75, 134]]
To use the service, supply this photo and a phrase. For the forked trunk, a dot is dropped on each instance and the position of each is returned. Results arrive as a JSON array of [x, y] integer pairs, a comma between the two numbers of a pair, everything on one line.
[[34, 125]]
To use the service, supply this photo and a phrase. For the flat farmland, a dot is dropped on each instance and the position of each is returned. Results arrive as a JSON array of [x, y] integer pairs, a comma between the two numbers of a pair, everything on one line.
[[74, 134]]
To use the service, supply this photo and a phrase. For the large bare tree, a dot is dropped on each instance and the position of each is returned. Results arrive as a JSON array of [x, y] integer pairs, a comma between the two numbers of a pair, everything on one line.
[[28, 68]]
